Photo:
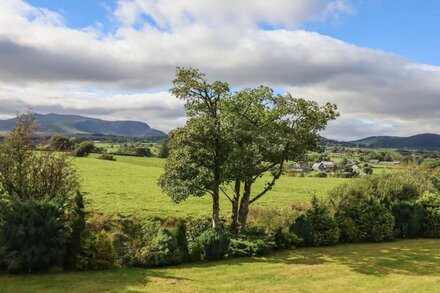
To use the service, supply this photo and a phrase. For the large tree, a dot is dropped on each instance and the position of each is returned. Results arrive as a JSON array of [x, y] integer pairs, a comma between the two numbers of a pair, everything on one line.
[[231, 140], [198, 150], [264, 131]]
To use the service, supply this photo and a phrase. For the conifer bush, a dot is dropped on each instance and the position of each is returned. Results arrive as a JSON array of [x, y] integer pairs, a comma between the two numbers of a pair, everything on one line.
[[33, 236]]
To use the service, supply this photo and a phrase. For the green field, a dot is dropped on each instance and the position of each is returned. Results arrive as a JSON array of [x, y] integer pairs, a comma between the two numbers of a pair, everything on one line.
[[400, 266], [129, 186]]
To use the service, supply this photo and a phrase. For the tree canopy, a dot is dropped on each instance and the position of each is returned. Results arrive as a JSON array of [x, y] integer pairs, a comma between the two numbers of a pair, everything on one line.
[[232, 139]]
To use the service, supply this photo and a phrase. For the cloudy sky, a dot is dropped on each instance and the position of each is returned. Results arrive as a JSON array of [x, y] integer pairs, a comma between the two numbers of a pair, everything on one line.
[[379, 60]]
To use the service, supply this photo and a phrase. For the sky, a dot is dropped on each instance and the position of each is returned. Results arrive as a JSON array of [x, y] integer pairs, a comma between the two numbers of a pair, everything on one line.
[[378, 60]]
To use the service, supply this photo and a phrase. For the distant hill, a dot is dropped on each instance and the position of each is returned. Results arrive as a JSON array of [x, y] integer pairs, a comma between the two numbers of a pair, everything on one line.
[[425, 140], [75, 124]]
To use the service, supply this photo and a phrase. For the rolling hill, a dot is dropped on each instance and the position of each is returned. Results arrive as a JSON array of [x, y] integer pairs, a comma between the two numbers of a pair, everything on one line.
[[75, 124], [425, 140]]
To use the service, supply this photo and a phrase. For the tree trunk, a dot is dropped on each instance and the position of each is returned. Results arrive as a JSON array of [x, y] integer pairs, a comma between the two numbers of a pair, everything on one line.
[[235, 202], [216, 210], [244, 206]]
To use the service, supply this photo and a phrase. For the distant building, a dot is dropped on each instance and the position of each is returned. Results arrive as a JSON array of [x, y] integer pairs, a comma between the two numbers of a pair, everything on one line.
[[373, 161], [323, 166], [355, 167]]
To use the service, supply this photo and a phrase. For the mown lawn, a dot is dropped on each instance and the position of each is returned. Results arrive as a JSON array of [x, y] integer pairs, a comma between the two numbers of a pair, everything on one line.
[[129, 186], [400, 266]]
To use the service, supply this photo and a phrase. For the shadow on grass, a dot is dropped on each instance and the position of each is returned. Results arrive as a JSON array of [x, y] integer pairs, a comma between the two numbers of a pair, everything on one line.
[[114, 280], [408, 257], [419, 257]]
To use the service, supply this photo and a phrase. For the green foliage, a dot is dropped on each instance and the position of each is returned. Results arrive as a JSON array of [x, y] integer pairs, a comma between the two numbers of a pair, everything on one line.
[[215, 244], [33, 236], [325, 229], [318, 226], [284, 239], [164, 150], [143, 152], [195, 228], [78, 225], [368, 170], [431, 217], [270, 220], [61, 143], [105, 255], [107, 157], [180, 234], [365, 220], [155, 246], [408, 219], [303, 227], [84, 149], [402, 185], [26, 174], [239, 247], [321, 175]]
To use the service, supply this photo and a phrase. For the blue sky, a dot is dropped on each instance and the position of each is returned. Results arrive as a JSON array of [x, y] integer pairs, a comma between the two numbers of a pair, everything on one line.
[[378, 60], [408, 28]]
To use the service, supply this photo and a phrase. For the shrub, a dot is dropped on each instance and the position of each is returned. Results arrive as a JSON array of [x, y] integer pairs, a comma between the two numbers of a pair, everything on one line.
[[105, 255], [107, 157], [155, 246], [33, 236], [215, 244], [321, 175], [143, 152], [365, 220], [318, 226], [243, 247], [303, 228], [284, 239], [195, 228], [431, 215], [77, 224], [83, 149], [182, 243], [408, 218], [270, 220]]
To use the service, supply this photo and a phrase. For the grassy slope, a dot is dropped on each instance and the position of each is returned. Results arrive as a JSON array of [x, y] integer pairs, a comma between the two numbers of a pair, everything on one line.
[[129, 186], [401, 266]]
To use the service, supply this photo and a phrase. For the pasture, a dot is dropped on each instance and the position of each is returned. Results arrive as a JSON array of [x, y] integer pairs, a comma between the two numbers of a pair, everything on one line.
[[399, 266], [129, 186]]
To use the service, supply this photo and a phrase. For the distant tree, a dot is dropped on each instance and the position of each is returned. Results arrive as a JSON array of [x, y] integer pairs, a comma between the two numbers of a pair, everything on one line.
[[61, 143], [368, 170], [143, 152], [84, 149], [164, 150]]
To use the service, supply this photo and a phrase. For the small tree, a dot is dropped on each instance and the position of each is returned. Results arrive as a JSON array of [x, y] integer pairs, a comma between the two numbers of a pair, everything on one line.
[[84, 149], [164, 150], [61, 143], [26, 174]]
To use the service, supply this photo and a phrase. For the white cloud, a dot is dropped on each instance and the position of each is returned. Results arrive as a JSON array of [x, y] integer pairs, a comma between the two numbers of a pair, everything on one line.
[[50, 66]]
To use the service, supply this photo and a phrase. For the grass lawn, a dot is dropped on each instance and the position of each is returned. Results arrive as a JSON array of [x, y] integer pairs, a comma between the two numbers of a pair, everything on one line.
[[129, 186], [400, 266]]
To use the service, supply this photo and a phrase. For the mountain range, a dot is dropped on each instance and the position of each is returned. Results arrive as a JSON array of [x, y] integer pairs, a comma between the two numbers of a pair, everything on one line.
[[75, 124], [425, 140]]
